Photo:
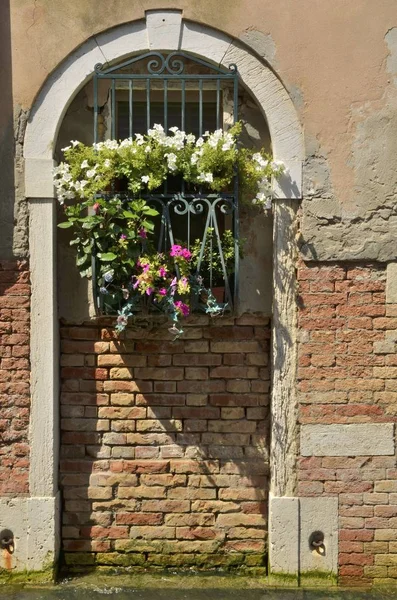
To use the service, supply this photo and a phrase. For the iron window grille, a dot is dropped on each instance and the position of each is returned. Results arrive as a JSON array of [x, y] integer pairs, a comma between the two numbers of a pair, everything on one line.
[[146, 88]]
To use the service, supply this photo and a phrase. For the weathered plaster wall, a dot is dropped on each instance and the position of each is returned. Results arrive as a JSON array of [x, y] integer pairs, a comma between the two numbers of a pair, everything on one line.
[[337, 61]]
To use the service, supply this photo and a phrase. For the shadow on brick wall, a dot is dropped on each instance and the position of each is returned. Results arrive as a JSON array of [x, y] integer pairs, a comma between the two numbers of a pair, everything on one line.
[[165, 445]]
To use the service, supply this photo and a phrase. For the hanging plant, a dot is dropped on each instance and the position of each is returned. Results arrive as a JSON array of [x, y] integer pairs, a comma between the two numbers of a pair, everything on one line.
[[118, 232]]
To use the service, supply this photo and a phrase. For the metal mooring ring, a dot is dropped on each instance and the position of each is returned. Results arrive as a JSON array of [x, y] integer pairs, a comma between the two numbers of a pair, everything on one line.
[[7, 540]]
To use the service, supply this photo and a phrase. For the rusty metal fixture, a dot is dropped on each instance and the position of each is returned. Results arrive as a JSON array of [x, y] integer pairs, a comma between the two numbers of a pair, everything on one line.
[[7, 540], [316, 542]]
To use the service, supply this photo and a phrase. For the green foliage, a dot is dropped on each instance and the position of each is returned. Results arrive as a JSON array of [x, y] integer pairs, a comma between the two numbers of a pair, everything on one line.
[[210, 267], [115, 232]]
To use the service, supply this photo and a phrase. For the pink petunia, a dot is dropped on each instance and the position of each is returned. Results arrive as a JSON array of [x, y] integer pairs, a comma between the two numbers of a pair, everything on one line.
[[186, 254], [146, 267], [162, 292], [176, 250], [163, 271], [149, 291], [142, 233], [183, 308]]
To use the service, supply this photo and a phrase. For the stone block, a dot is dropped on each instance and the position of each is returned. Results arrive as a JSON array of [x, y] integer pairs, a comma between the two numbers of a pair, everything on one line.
[[367, 439], [284, 536], [391, 283]]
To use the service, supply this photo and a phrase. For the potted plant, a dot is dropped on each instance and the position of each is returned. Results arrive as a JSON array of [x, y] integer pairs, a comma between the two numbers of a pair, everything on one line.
[[110, 230], [215, 261]]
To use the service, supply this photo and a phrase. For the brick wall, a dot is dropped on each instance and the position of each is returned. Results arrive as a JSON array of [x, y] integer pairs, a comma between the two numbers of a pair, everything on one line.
[[14, 378], [348, 374], [165, 444]]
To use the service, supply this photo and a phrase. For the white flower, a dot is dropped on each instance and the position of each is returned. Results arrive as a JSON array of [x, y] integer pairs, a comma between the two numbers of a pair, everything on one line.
[[148, 149], [74, 143], [277, 165], [111, 144], [84, 164], [171, 161], [107, 163], [190, 138], [65, 148], [91, 173], [199, 142], [206, 177], [145, 178], [139, 139], [262, 163], [264, 200], [126, 142], [80, 185], [174, 129]]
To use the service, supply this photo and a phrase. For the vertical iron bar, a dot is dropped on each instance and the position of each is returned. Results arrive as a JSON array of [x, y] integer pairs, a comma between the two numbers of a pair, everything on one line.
[[200, 107], [165, 122], [183, 103], [130, 107], [113, 124], [236, 207], [147, 104], [183, 94], [218, 102], [165, 105], [95, 109]]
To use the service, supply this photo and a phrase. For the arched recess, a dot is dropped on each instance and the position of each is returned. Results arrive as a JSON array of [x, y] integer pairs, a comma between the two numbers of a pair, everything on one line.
[[160, 30]]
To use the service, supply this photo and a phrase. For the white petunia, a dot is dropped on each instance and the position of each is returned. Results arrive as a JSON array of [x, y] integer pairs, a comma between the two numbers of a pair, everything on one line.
[[206, 177], [111, 144], [107, 163], [84, 164], [65, 148], [171, 161], [74, 143], [145, 178]]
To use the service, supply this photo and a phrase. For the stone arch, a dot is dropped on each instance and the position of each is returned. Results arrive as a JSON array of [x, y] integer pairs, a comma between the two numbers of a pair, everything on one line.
[[161, 30]]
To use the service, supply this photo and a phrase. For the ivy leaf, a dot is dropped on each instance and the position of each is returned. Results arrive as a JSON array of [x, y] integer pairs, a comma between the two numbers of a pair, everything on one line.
[[107, 256], [65, 225], [81, 260], [150, 212]]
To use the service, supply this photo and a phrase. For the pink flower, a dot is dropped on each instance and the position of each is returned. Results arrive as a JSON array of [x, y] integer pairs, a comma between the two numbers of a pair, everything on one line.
[[96, 207], [123, 236], [176, 250], [142, 233], [122, 320], [146, 267], [163, 271], [149, 291], [186, 253], [162, 292], [183, 308]]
